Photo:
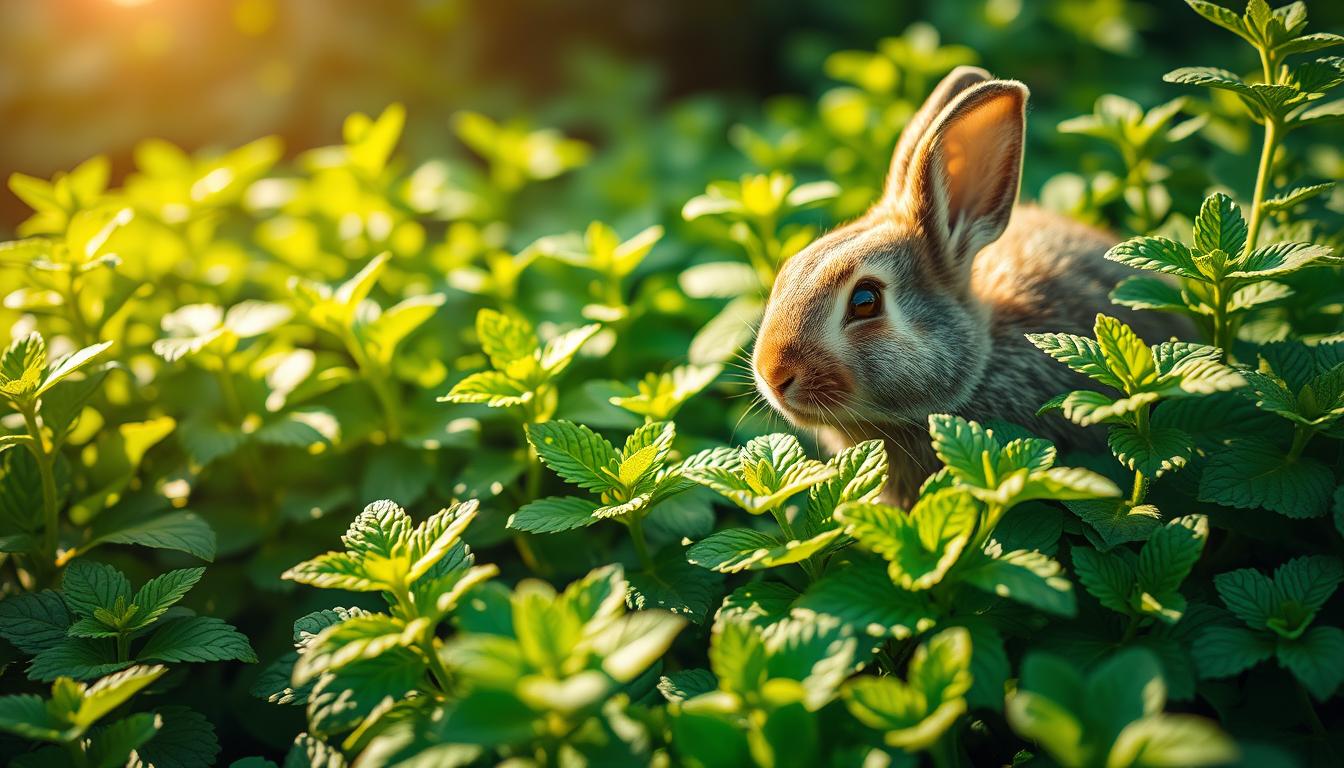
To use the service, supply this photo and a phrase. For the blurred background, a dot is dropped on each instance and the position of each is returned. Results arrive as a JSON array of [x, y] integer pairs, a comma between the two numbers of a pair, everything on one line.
[[81, 77]]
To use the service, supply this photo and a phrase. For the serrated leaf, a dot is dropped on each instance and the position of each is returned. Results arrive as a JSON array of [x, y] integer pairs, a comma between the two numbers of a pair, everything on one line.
[[181, 531], [738, 549], [161, 593], [1228, 651], [1108, 577], [1170, 553], [554, 514], [1160, 450], [197, 638], [185, 739], [1027, 577], [1316, 659], [34, 621], [1117, 521], [1257, 473], [1220, 226], [575, 453], [1280, 259], [1078, 353], [88, 586], [863, 597], [1156, 254], [492, 388]]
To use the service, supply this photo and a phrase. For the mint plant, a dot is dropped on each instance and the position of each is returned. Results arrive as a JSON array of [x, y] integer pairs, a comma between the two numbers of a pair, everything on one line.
[[629, 485], [1111, 716], [1277, 618]]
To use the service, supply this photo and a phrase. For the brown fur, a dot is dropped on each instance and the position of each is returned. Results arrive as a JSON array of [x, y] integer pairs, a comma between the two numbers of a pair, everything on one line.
[[953, 336]]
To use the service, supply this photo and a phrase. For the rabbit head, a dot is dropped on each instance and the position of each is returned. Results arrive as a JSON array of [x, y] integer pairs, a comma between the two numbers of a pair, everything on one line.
[[875, 321]]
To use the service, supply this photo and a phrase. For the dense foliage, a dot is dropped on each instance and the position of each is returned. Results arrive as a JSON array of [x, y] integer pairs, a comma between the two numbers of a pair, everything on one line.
[[216, 365]]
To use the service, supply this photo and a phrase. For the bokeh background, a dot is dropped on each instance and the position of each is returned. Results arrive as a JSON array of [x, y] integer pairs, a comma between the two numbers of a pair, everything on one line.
[[81, 77]]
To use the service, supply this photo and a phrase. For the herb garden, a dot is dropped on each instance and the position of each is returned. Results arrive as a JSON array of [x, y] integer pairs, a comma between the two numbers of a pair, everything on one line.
[[352, 456]]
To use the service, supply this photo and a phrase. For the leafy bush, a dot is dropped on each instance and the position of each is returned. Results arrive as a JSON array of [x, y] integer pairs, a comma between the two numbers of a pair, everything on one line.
[[223, 358]]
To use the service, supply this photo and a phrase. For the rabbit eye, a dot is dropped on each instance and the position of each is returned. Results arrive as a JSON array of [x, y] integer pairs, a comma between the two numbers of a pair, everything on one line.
[[865, 301]]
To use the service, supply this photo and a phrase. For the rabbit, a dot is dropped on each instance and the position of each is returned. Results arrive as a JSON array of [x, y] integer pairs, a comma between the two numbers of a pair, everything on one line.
[[922, 305]]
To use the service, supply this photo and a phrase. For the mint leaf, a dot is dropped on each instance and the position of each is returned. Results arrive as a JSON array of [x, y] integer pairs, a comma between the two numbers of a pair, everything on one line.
[[864, 597], [1249, 594], [161, 593], [34, 621], [575, 453], [197, 638], [1228, 651], [1257, 473], [558, 513], [1027, 577], [1108, 577], [1316, 659], [88, 586], [1220, 226], [1171, 552], [1154, 454], [180, 531]]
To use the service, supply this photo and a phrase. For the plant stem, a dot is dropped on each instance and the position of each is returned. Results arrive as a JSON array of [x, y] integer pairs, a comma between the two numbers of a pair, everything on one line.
[[1130, 630], [1139, 490], [1223, 332], [51, 521], [378, 382], [123, 646], [442, 677], [1301, 435], [1262, 182], [636, 524]]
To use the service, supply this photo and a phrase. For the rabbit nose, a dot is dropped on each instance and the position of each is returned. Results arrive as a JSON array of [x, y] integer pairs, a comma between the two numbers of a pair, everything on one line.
[[783, 386], [780, 378]]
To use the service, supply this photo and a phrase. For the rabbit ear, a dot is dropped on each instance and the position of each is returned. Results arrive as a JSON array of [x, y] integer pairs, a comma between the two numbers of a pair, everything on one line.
[[962, 182], [951, 87]]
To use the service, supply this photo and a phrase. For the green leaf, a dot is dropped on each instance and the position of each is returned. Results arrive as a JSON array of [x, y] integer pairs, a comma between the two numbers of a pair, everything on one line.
[[686, 684], [334, 570], [739, 549], [560, 351], [1249, 594], [1257, 473], [1316, 659], [180, 531], [632, 643], [737, 656], [920, 546], [112, 745], [1220, 226], [1308, 582], [1170, 553], [77, 657], [26, 715], [161, 593], [861, 474], [1108, 577], [675, 585], [819, 652], [967, 449], [1154, 454], [197, 638], [1085, 407], [551, 515], [1156, 254], [864, 597], [355, 639], [1228, 651], [1079, 353], [1126, 356], [185, 739], [1280, 259], [575, 453], [494, 389], [1173, 740], [1289, 200], [88, 586], [1027, 577], [34, 621], [112, 691], [69, 364], [1117, 521], [23, 366], [1140, 292], [914, 714]]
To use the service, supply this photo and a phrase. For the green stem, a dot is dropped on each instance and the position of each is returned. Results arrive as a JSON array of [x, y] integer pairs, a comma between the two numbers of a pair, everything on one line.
[[442, 677], [636, 524], [1223, 332], [51, 522], [378, 382], [123, 646], [1302, 434], [1262, 183], [1130, 630], [782, 517], [1139, 490]]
